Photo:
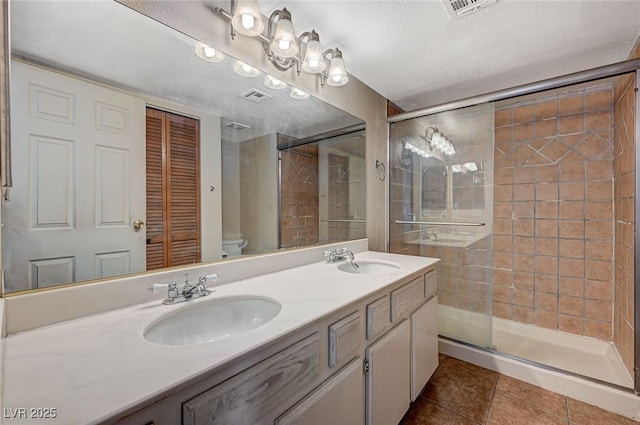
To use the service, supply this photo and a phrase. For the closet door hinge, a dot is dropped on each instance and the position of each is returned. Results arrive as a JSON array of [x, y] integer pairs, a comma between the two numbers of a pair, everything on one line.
[[365, 367]]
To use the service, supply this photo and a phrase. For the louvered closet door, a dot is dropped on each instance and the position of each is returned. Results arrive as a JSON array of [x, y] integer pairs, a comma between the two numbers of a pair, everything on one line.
[[173, 202]]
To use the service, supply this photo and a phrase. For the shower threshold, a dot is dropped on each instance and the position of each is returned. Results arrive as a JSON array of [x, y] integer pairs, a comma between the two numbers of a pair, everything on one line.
[[577, 354]]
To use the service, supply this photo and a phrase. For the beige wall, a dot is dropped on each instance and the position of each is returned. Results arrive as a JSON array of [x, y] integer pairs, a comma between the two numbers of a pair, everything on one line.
[[356, 98], [231, 190], [259, 194]]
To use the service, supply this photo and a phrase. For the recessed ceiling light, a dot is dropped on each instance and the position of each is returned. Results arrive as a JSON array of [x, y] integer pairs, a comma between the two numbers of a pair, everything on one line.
[[274, 83], [245, 70], [208, 53], [298, 94]]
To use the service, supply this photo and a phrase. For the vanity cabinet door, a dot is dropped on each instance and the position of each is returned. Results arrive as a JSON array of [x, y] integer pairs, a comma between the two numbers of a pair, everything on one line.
[[252, 396], [424, 345], [388, 380], [340, 400]]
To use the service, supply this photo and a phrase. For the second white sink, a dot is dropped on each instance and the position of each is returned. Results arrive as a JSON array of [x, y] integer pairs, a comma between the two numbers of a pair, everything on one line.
[[212, 320], [369, 267]]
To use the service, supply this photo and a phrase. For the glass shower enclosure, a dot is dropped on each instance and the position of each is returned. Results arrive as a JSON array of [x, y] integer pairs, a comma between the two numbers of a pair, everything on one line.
[[441, 194]]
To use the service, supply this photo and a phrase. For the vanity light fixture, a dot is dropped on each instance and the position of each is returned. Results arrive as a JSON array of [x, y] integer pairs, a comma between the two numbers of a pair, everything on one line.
[[438, 141], [298, 94], [208, 53], [467, 167], [411, 145], [245, 70], [274, 83], [283, 49]]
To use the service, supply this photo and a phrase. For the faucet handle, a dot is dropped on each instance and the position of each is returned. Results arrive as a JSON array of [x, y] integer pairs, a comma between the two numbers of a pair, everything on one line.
[[202, 280], [156, 287], [172, 291]]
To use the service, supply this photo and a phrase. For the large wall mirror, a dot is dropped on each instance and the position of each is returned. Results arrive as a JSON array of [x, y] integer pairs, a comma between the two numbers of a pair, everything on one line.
[[134, 148]]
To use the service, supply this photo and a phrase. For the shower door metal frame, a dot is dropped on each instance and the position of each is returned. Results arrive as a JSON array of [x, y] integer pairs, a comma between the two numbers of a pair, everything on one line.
[[612, 70], [636, 244]]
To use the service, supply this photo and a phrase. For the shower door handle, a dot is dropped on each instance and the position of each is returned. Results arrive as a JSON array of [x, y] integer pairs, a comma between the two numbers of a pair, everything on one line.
[[439, 223]]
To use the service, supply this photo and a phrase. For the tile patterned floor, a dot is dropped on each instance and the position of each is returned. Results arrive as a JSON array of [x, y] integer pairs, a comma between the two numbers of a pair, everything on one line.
[[460, 393]]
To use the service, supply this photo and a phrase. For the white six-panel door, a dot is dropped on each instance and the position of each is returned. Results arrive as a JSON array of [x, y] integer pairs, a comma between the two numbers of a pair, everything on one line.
[[78, 155]]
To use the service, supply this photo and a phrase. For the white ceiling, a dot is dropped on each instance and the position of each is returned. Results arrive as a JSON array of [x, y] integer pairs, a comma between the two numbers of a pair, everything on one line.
[[79, 37], [415, 55]]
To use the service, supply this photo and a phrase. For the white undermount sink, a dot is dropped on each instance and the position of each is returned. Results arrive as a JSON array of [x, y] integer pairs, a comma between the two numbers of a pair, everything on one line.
[[369, 267], [212, 320]]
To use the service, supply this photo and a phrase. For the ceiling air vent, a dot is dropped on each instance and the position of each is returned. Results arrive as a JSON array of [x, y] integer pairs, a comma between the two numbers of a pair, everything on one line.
[[236, 126], [255, 96], [459, 8]]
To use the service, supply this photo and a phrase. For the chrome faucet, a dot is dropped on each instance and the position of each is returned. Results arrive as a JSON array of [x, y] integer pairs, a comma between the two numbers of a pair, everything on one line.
[[429, 235], [189, 291], [342, 254]]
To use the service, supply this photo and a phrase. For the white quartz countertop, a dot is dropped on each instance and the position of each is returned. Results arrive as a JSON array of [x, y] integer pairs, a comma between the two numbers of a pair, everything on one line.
[[94, 368]]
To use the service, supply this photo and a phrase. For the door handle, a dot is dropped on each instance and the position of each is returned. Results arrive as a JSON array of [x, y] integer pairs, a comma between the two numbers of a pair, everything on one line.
[[138, 224]]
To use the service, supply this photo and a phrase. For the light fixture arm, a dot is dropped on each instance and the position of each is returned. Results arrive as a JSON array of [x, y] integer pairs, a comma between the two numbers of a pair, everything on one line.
[[431, 130], [220, 11], [272, 21], [323, 76]]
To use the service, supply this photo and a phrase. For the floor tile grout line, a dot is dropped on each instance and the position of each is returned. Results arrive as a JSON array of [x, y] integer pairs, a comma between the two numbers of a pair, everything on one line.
[[493, 396]]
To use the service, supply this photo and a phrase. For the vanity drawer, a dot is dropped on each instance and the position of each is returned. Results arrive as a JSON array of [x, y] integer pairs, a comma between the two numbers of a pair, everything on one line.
[[344, 339], [251, 394], [407, 298], [378, 314], [430, 284]]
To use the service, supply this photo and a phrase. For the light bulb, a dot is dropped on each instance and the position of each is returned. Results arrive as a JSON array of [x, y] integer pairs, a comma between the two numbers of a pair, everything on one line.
[[274, 83], [245, 70], [283, 44], [247, 21], [208, 53], [298, 94]]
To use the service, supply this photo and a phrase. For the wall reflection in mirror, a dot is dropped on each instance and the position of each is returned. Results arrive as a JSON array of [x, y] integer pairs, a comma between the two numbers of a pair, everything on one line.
[[141, 148]]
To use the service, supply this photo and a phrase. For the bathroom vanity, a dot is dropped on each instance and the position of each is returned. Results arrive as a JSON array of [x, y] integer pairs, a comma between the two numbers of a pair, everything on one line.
[[345, 347]]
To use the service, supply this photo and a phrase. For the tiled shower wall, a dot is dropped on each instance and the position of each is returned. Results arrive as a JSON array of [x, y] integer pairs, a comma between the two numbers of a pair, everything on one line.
[[624, 183], [299, 191], [553, 211], [338, 197]]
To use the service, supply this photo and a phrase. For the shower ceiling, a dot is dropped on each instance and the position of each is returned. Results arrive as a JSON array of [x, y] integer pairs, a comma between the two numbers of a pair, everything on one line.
[[414, 54]]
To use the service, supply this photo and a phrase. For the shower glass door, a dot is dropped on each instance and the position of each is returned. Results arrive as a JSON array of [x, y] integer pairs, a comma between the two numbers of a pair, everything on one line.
[[441, 194], [322, 190]]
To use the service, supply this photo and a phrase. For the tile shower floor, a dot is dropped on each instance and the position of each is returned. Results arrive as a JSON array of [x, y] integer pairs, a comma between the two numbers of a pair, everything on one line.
[[460, 393]]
